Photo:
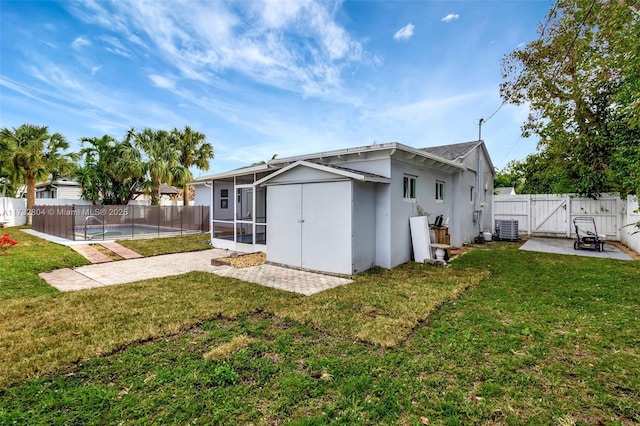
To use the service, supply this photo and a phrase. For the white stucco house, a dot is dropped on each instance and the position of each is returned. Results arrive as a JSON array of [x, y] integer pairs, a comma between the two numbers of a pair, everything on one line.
[[348, 210], [61, 188]]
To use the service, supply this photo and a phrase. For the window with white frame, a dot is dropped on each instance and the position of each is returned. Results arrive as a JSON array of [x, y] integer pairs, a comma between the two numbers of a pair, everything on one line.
[[409, 188], [439, 190]]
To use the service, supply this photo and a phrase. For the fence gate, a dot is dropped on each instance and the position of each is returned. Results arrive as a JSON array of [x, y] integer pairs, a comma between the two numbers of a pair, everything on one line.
[[552, 215]]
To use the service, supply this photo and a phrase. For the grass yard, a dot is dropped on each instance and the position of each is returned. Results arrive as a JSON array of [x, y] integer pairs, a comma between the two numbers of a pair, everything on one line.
[[501, 337], [156, 246], [19, 268]]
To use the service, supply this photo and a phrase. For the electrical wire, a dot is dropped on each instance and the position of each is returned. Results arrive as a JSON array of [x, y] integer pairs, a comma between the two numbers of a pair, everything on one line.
[[550, 16]]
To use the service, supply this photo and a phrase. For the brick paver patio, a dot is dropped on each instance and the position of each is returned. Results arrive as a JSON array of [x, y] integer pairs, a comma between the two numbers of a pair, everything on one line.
[[126, 271]]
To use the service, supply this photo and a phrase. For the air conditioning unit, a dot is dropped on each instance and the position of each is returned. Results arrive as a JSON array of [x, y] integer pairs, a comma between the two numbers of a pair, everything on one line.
[[507, 230]]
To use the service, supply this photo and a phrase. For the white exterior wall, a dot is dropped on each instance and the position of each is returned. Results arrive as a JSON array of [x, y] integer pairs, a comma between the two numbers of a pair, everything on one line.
[[364, 226], [402, 210], [380, 167], [202, 196], [383, 224], [218, 212], [69, 192], [478, 175], [61, 202]]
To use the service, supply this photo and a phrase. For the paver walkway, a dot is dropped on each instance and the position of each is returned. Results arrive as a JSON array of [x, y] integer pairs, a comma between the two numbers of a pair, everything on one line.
[[125, 271], [94, 256], [91, 254], [122, 251]]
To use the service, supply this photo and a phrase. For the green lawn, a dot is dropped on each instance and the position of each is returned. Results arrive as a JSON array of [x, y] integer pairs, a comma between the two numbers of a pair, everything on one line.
[[501, 337], [156, 246]]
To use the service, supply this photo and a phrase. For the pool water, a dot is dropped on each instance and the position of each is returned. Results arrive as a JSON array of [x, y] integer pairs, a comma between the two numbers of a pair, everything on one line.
[[96, 232]]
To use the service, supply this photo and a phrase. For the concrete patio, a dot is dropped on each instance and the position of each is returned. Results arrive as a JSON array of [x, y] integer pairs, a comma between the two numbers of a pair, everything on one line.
[[565, 246]]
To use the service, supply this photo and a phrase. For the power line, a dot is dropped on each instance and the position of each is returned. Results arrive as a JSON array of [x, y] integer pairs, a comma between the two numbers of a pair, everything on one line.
[[550, 16]]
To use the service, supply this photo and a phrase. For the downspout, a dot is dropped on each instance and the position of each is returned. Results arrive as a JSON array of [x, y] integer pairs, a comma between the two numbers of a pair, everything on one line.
[[477, 194], [210, 210]]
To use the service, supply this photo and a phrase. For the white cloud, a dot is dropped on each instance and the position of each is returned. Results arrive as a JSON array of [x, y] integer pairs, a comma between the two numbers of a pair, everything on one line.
[[294, 46], [162, 81], [95, 69], [450, 17], [404, 33], [80, 42], [115, 46]]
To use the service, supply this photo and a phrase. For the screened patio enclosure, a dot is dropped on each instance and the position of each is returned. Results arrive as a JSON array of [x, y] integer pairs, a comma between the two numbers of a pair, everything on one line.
[[239, 213]]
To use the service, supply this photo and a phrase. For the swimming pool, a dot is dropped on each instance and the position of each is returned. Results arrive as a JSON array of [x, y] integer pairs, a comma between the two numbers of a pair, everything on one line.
[[88, 222], [96, 232]]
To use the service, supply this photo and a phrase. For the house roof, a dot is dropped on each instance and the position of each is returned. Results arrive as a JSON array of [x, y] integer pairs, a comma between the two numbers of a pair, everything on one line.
[[364, 151], [453, 151], [444, 157], [168, 189], [506, 190], [62, 181], [340, 171], [458, 151]]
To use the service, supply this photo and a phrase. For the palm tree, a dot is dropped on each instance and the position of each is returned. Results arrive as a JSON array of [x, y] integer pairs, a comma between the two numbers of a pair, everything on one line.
[[34, 154], [93, 176], [160, 162], [194, 151]]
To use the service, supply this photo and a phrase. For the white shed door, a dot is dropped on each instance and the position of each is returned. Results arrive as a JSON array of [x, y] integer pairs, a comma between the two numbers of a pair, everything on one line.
[[309, 225]]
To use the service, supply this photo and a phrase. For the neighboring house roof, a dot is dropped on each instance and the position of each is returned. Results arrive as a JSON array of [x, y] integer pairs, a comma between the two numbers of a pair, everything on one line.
[[59, 182], [506, 190], [340, 171], [168, 189]]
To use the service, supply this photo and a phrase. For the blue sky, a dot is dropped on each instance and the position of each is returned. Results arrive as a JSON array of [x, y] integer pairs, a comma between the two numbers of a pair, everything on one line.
[[272, 77]]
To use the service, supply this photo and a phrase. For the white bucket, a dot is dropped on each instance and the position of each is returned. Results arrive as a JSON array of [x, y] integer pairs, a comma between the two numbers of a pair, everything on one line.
[[487, 235]]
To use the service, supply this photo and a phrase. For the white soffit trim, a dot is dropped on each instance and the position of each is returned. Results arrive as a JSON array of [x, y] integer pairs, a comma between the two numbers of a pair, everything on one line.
[[351, 174]]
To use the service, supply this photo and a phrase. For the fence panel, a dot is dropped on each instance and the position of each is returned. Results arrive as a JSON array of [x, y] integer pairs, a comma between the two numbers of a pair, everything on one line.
[[117, 222], [513, 207], [552, 215]]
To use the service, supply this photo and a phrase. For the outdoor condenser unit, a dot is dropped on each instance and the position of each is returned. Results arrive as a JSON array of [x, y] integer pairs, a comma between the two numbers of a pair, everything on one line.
[[507, 230]]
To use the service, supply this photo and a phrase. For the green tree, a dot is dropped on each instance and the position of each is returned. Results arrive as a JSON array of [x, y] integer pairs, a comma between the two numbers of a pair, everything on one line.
[[34, 154], [156, 155], [194, 151], [8, 182], [580, 79], [105, 175], [509, 175]]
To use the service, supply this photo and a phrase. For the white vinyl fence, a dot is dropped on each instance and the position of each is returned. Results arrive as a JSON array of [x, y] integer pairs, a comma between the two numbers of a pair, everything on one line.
[[13, 211], [552, 215]]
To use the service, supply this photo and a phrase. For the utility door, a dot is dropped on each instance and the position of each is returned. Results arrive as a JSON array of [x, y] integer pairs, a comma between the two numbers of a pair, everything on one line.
[[309, 226]]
